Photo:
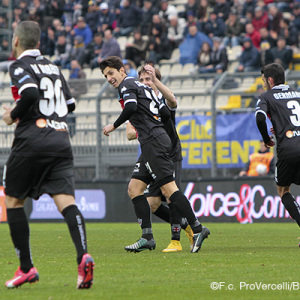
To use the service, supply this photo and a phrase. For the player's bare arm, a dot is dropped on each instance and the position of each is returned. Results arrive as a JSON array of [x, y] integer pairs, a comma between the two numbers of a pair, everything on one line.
[[6, 116], [166, 92], [130, 132], [108, 128]]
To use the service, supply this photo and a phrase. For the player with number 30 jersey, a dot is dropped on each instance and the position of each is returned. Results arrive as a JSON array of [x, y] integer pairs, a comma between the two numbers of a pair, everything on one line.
[[46, 118]]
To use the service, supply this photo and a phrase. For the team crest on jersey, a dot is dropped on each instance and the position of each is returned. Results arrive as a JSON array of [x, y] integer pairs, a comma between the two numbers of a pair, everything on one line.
[[18, 71], [123, 89]]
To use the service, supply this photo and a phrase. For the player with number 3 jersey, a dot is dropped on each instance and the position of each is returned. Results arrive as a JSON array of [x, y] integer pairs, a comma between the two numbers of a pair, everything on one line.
[[282, 105]]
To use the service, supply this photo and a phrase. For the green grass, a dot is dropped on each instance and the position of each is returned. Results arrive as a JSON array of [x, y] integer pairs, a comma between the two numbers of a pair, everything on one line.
[[233, 253]]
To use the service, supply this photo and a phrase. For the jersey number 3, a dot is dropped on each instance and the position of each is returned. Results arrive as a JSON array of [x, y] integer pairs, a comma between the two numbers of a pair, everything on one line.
[[54, 99], [295, 107]]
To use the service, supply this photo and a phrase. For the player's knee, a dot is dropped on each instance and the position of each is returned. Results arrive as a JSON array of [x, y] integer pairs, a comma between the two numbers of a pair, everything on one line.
[[12, 202], [154, 204]]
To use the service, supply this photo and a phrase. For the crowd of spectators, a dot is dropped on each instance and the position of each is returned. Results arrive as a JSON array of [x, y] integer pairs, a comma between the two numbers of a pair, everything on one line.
[[88, 31]]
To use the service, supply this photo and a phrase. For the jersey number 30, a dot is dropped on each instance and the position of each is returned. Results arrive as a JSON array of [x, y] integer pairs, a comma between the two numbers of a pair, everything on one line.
[[54, 99]]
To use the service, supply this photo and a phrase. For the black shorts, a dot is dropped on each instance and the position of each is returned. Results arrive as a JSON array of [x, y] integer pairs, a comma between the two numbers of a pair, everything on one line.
[[154, 164], [153, 190], [287, 172], [33, 176]]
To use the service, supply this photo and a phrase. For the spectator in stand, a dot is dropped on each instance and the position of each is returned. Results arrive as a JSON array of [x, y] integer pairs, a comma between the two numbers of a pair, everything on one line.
[[136, 51], [260, 18], [110, 46], [204, 56], [130, 18], [253, 34], [130, 68], [192, 20], [282, 54], [275, 17], [190, 6], [192, 44], [249, 60], [83, 30], [157, 21], [175, 31], [214, 26], [202, 11], [55, 8], [49, 47], [266, 55], [94, 49], [77, 87], [167, 10], [78, 51], [20, 12], [77, 12], [289, 32], [62, 52], [260, 163], [233, 30], [148, 11], [58, 27], [265, 36], [106, 19], [295, 16], [159, 45], [92, 16], [218, 58], [222, 9], [249, 6]]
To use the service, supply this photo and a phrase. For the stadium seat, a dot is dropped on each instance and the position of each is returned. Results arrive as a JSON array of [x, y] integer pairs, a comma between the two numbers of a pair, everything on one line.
[[122, 40], [176, 69], [187, 68]]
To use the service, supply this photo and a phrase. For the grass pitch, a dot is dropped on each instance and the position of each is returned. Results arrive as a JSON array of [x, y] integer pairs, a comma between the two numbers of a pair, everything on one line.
[[265, 256]]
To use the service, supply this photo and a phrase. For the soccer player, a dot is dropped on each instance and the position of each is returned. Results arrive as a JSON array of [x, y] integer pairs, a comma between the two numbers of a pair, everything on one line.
[[282, 105], [41, 159], [151, 77], [141, 109]]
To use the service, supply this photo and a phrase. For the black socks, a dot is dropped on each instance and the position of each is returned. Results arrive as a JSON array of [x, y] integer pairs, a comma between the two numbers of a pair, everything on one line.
[[75, 221], [19, 231], [143, 214], [183, 206], [292, 206]]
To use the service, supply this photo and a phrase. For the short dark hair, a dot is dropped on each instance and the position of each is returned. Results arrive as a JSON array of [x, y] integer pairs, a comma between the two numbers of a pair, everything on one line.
[[274, 71], [29, 34], [112, 62], [157, 72]]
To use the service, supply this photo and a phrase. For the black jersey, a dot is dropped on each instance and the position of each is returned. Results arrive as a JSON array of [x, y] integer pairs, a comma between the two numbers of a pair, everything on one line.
[[170, 126], [146, 119], [282, 106], [43, 129]]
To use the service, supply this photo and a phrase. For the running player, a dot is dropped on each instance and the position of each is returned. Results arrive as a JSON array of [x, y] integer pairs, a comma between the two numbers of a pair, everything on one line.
[[282, 105], [141, 109], [41, 159], [151, 77]]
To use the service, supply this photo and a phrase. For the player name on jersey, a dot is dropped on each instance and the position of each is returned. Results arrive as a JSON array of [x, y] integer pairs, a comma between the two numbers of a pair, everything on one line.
[[287, 95], [45, 69]]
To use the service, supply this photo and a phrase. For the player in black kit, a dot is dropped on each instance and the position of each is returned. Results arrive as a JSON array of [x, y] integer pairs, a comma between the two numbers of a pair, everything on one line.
[[282, 105], [151, 77], [141, 108], [41, 159]]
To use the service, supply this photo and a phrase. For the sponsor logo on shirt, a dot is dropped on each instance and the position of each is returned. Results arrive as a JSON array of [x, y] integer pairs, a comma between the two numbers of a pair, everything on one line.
[[46, 123], [289, 134]]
